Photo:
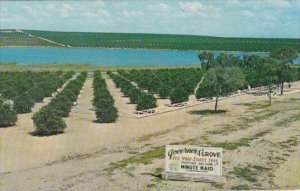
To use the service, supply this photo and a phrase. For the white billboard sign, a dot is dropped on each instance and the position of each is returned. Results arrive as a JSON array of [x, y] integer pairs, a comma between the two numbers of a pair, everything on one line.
[[194, 160]]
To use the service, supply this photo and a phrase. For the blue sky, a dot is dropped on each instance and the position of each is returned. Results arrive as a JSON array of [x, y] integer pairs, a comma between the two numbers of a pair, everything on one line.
[[230, 18]]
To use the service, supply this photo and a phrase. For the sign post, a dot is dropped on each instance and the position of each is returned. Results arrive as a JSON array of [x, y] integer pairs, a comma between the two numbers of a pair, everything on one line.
[[193, 163]]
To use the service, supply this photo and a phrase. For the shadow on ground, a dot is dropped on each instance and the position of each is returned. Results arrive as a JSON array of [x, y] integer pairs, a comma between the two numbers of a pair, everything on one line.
[[38, 134], [206, 112]]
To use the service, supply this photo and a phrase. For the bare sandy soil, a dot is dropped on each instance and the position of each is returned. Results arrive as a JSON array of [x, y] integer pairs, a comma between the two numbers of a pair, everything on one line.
[[260, 143]]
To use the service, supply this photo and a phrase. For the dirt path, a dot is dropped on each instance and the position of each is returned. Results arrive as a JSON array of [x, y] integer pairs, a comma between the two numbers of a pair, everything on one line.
[[121, 102], [83, 157]]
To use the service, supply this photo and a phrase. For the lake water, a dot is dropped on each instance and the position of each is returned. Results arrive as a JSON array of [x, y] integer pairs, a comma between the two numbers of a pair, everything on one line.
[[104, 57]]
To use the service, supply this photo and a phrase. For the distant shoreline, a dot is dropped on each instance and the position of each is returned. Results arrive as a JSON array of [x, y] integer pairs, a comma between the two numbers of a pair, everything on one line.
[[154, 49]]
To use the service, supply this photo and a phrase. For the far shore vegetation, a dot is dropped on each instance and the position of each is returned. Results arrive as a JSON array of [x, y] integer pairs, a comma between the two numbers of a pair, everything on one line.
[[37, 38]]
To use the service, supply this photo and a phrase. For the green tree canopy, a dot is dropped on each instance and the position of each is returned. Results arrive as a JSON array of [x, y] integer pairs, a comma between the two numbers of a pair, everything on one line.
[[8, 116], [220, 82], [206, 58], [268, 75], [23, 103], [284, 56], [179, 95], [48, 122]]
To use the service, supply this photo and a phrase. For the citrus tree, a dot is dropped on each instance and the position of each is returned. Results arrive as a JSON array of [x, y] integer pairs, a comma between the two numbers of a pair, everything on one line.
[[48, 122], [23, 103], [8, 116]]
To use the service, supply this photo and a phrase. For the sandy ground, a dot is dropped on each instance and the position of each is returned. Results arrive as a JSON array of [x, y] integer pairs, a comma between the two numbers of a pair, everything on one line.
[[82, 158]]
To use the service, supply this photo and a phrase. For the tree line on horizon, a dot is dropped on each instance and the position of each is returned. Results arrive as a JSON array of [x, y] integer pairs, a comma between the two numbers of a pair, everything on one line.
[[163, 41]]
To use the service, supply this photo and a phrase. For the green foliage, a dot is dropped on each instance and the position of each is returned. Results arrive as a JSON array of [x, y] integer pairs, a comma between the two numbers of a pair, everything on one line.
[[48, 122], [146, 101], [284, 55], [37, 93], [179, 95], [103, 102], [106, 112], [143, 100], [59, 107], [164, 41], [23, 103], [63, 102], [37, 84], [220, 82], [206, 59], [8, 116], [164, 91], [164, 81]]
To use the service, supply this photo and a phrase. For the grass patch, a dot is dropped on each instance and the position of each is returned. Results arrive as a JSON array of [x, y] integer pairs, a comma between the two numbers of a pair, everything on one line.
[[246, 173], [285, 154], [292, 141], [279, 158], [260, 168], [143, 158], [288, 120], [258, 118], [254, 106], [159, 170], [217, 185], [225, 129], [241, 187], [241, 142], [159, 133], [258, 135], [150, 185], [230, 146]]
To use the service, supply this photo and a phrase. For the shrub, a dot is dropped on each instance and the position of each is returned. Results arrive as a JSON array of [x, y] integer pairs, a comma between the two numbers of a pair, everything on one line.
[[23, 103], [179, 95], [164, 91], [62, 105], [146, 102], [106, 112], [48, 122], [8, 116], [37, 93]]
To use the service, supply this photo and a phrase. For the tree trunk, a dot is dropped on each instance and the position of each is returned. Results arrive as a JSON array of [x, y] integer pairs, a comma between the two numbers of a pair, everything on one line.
[[216, 106], [281, 88], [270, 96]]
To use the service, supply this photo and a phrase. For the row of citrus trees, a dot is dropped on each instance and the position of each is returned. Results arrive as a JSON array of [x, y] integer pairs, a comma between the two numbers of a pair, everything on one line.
[[164, 41], [176, 84], [20, 90], [103, 102], [49, 120], [136, 96], [37, 85]]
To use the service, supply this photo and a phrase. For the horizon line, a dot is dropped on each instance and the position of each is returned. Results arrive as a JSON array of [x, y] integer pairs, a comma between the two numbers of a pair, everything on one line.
[[170, 34]]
